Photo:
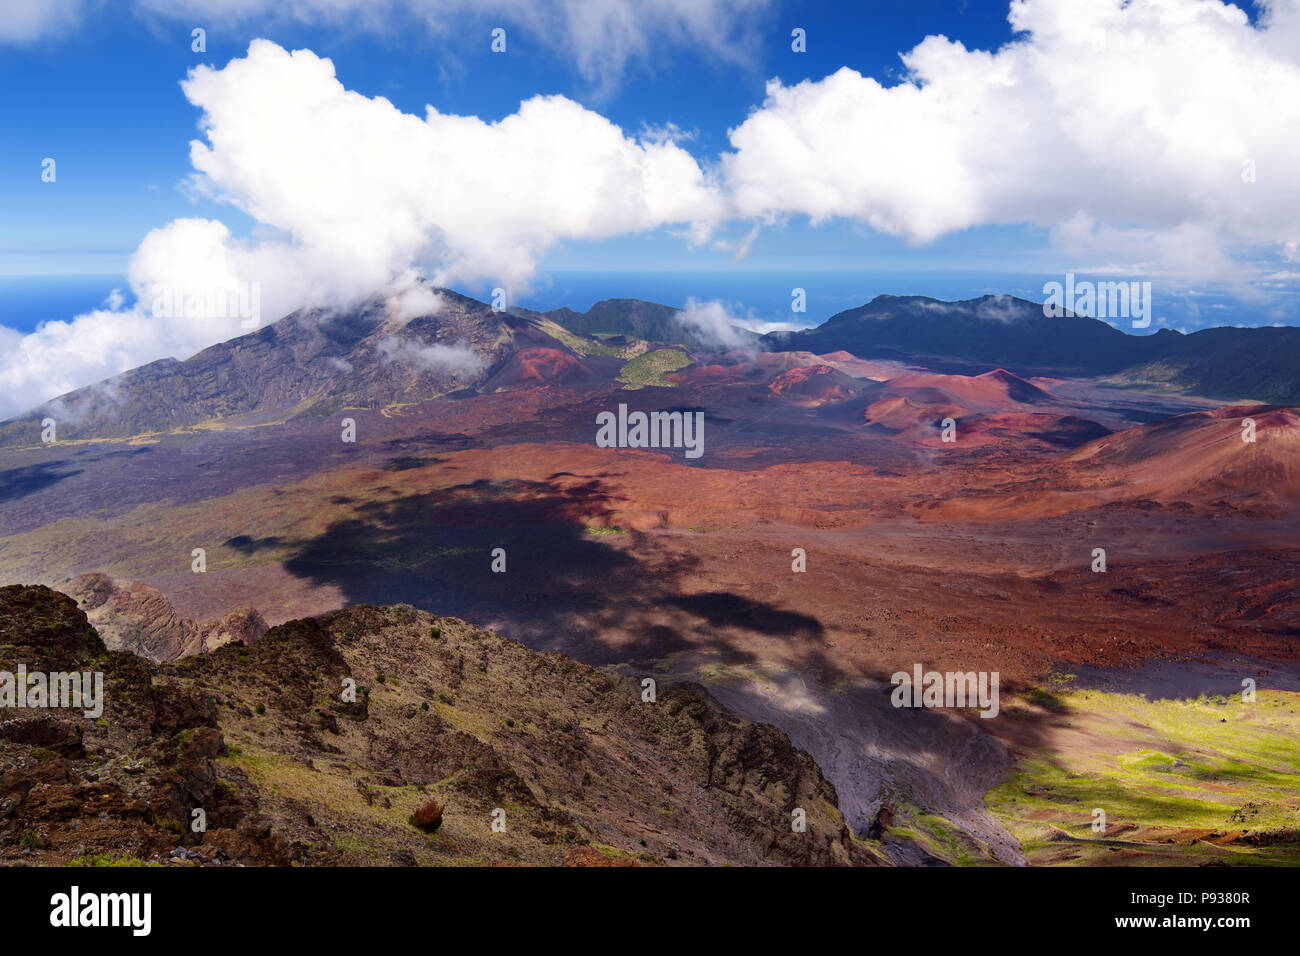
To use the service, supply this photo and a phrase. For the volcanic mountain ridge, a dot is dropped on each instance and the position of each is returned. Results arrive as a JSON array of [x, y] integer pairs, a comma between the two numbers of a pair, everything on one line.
[[290, 769]]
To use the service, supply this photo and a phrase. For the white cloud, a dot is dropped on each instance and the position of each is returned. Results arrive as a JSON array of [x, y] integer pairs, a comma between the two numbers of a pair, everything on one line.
[[600, 37], [412, 303], [432, 355], [713, 324], [353, 198], [763, 326], [183, 262], [1124, 126], [23, 21], [61, 356], [369, 191]]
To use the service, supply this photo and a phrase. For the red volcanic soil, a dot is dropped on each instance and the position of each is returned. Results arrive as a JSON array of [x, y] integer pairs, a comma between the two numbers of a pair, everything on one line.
[[915, 416], [969, 556], [538, 366], [712, 374], [699, 559], [998, 389], [993, 407], [1062, 430], [814, 385], [1203, 454], [876, 369], [1194, 462], [770, 367]]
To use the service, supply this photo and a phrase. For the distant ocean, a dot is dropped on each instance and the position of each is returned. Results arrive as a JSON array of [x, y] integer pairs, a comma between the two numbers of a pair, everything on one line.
[[27, 301], [764, 296]]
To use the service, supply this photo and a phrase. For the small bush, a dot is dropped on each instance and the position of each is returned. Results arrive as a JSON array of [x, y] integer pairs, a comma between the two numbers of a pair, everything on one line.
[[429, 816], [260, 709], [435, 633]]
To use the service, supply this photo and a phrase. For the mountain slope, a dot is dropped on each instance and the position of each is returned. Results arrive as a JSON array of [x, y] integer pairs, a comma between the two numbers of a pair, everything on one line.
[[637, 319], [309, 361], [316, 362], [631, 317], [997, 331], [1202, 454], [135, 617], [288, 772], [1261, 364]]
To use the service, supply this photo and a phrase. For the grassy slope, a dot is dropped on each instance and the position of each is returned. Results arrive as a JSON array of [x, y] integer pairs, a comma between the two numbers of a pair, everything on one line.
[[1181, 781], [650, 368]]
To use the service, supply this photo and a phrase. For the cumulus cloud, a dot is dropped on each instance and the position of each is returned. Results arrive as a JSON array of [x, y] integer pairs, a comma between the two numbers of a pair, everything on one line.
[[368, 191], [188, 279], [353, 199], [62, 356], [1166, 124], [714, 327], [1158, 134]]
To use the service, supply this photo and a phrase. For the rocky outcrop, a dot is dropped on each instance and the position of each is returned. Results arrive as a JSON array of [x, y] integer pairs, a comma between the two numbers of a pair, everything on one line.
[[122, 785], [138, 618], [318, 743]]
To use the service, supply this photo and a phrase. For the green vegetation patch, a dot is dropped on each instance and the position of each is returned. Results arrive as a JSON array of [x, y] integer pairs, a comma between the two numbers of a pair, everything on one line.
[[582, 344], [1185, 781], [648, 370]]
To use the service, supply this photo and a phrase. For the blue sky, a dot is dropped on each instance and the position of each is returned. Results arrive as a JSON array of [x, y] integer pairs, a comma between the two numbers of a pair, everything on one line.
[[105, 101], [916, 146]]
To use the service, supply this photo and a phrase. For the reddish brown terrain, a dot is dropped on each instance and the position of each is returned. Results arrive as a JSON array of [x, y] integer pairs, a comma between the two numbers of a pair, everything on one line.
[[976, 554]]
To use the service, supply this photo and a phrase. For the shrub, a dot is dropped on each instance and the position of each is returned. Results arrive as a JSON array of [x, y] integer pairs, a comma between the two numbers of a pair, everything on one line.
[[260, 708], [429, 816]]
